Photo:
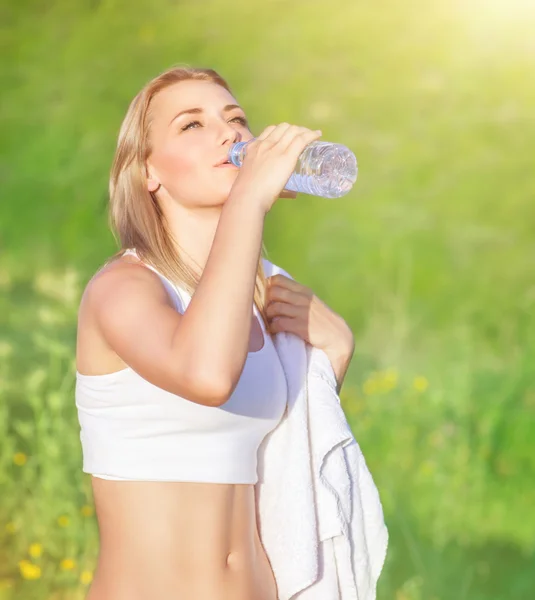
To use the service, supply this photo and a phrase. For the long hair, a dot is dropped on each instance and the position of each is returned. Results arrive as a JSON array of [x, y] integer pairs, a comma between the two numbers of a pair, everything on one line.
[[135, 216]]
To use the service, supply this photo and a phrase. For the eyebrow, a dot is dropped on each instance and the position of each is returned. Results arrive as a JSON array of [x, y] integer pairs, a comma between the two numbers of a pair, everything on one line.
[[196, 111]]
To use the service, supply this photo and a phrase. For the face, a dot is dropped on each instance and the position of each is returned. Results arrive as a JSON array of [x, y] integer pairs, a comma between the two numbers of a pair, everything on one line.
[[186, 147]]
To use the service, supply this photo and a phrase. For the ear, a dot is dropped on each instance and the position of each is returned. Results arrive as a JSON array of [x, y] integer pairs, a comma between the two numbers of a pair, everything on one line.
[[153, 183]]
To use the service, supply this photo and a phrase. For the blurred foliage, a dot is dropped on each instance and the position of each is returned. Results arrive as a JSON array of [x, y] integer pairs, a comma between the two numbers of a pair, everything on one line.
[[429, 257]]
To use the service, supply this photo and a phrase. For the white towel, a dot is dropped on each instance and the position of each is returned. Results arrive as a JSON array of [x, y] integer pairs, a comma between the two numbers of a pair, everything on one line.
[[320, 517]]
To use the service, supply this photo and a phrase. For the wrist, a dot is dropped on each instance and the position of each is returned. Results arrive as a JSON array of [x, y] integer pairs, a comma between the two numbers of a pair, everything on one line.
[[340, 357], [248, 201], [340, 364]]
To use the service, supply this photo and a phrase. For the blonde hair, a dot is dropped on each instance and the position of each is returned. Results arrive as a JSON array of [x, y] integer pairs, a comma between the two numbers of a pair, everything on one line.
[[135, 216]]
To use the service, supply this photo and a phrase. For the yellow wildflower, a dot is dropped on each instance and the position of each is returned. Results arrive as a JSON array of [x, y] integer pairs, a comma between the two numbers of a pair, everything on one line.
[[67, 564], [87, 510], [381, 382], [390, 380], [86, 577], [420, 383], [28, 570], [35, 550], [370, 386], [63, 521], [20, 459]]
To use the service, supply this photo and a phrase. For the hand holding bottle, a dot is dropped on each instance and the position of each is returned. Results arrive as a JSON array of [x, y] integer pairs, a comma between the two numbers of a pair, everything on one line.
[[323, 169], [270, 161]]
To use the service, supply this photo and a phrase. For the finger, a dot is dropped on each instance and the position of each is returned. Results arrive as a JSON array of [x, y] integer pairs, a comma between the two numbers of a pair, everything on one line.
[[282, 292], [266, 132], [276, 134], [279, 278], [282, 324], [284, 283], [287, 296], [290, 326], [300, 141], [282, 309], [290, 134]]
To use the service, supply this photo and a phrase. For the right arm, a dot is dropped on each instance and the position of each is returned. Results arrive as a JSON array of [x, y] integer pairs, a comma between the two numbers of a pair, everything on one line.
[[217, 324], [200, 354]]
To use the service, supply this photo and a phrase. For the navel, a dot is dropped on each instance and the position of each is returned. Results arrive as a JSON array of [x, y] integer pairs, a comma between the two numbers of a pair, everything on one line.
[[234, 560]]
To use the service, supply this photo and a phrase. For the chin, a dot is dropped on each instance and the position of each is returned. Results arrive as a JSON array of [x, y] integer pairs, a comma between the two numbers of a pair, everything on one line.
[[225, 193]]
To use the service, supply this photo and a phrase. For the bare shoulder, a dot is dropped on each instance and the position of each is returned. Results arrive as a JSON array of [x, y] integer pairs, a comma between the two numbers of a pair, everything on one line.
[[131, 320], [119, 296], [120, 278]]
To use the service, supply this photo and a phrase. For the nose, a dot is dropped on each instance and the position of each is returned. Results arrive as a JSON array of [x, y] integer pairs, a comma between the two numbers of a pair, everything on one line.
[[229, 135]]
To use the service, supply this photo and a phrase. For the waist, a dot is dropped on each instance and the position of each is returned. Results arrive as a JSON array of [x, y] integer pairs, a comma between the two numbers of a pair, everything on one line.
[[164, 512], [195, 540]]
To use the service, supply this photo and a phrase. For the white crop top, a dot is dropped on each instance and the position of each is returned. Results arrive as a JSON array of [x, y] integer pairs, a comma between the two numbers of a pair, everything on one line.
[[131, 429]]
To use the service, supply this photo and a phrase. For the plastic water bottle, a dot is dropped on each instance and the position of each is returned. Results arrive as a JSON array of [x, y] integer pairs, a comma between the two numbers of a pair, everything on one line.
[[323, 168]]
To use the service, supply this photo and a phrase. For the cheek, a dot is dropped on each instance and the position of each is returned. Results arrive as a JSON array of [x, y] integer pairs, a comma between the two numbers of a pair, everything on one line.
[[185, 171], [172, 161], [177, 166]]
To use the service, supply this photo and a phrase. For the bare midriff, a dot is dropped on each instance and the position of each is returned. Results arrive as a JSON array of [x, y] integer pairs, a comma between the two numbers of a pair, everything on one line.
[[177, 541]]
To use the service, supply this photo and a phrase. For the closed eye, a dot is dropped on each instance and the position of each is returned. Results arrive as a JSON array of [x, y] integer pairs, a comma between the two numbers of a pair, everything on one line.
[[242, 120]]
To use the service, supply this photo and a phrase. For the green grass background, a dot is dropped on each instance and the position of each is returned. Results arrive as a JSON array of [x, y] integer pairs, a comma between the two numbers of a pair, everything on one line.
[[429, 258]]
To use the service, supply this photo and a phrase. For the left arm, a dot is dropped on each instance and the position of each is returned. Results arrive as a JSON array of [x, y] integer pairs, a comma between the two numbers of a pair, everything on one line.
[[340, 362], [295, 308]]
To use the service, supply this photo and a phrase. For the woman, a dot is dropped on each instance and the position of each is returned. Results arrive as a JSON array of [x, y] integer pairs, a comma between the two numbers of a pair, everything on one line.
[[173, 404]]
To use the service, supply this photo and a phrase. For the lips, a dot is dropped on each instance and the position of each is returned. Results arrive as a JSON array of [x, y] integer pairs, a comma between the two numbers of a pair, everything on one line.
[[225, 164]]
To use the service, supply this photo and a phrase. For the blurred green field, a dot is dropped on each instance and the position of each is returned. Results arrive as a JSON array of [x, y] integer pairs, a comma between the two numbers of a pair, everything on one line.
[[429, 258]]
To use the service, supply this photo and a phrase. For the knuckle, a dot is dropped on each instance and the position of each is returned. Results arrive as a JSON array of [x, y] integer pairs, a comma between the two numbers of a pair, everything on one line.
[[272, 308]]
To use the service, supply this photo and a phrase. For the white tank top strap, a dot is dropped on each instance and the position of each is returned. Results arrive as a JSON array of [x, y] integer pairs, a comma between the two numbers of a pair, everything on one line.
[[179, 296]]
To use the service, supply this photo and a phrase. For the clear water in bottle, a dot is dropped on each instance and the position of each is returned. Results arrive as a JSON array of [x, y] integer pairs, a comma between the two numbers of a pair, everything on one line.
[[322, 169]]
